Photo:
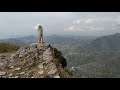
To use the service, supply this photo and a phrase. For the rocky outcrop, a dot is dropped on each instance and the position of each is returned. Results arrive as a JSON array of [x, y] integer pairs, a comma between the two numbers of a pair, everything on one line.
[[33, 62]]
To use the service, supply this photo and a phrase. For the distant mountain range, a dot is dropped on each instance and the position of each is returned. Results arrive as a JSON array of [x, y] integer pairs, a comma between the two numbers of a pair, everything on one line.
[[106, 43], [74, 44], [53, 39], [20, 41]]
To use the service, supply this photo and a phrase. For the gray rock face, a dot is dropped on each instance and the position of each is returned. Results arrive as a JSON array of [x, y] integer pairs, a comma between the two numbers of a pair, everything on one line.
[[31, 61], [47, 55], [33, 57], [51, 68], [16, 77]]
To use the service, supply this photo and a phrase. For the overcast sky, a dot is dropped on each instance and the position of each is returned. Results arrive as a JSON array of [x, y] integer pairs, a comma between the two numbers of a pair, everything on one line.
[[15, 24]]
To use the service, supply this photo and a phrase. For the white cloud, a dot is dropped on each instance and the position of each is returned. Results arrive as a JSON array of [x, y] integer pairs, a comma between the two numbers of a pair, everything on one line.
[[77, 21], [89, 20], [96, 24]]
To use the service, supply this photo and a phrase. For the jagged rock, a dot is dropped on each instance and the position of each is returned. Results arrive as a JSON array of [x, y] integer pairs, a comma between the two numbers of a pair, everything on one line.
[[10, 75], [41, 72], [1, 64], [30, 61], [3, 76], [53, 71], [40, 66], [47, 55], [2, 57], [56, 76], [22, 73], [2, 73], [11, 67], [16, 77], [33, 45], [17, 69], [50, 67]]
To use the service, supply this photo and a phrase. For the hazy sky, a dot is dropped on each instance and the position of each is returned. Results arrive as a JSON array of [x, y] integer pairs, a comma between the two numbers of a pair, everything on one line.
[[15, 24]]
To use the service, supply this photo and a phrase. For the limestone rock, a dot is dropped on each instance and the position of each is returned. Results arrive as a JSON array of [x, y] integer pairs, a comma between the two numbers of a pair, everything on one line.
[[2, 57], [31, 61], [47, 55], [11, 67], [53, 71], [17, 69], [10, 75], [50, 66], [3, 76], [56, 76], [16, 77], [22, 73], [2, 73], [1, 64], [40, 66], [41, 72]]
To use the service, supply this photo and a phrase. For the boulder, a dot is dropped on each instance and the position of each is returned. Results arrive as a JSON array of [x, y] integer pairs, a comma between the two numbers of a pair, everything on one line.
[[16, 77], [40, 66], [52, 71], [22, 73], [56, 76], [17, 69], [2, 57], [40, 72], [33, 46], [47, 55], [10, 75], [11, 67], [2, 73]]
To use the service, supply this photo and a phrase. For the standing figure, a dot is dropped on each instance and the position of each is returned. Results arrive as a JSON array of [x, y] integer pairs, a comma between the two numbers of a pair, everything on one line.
[[40, 35]]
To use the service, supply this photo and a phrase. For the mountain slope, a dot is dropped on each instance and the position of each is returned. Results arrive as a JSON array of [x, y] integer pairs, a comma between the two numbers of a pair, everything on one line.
[[106, 43]]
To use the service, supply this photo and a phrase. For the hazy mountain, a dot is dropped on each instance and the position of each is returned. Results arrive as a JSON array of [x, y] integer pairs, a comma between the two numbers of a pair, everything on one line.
[[106, 43], [53, 39], [21, 41]]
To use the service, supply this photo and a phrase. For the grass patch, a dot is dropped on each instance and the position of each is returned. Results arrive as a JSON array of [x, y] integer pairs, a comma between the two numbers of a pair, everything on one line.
[[6, 47]]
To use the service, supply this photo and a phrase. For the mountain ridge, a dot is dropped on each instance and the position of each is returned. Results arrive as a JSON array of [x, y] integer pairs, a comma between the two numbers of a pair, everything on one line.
[[106, 43]]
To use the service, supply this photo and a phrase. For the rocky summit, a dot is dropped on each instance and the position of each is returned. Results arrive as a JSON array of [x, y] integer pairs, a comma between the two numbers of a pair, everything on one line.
[[33, 62]]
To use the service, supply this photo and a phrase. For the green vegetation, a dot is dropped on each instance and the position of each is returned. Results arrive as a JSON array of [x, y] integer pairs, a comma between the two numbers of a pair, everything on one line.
[[66, 73], [59, 56], [6, 47]]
